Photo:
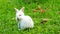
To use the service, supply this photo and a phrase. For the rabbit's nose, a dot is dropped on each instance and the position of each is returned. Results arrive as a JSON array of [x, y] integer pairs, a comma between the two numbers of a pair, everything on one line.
[[19, 15]]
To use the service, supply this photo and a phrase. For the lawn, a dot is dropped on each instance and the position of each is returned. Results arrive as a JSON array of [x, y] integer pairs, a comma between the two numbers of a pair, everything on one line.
[[8, 24]]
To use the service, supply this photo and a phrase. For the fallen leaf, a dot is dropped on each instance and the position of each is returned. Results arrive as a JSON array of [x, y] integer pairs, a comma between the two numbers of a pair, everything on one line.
[[35, 10], [45, 20], [41, 10], [39, 7]]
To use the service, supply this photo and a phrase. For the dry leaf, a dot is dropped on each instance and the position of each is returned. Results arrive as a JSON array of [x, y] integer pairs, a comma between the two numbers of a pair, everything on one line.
[[41, 10], [45, 20], [35, 10], [39, 7]]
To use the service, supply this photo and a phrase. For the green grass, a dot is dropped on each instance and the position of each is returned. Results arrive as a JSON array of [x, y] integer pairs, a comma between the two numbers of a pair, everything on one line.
[[8, 25]]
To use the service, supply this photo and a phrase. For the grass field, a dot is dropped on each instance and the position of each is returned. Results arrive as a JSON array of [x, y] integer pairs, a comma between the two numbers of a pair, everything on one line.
[[8, 25]]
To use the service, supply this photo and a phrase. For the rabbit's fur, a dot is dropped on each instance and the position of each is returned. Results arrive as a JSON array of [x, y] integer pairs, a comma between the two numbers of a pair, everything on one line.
[[23, 21]]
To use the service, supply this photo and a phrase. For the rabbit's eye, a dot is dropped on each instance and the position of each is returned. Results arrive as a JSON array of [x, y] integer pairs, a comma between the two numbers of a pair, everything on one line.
[[19, 15]]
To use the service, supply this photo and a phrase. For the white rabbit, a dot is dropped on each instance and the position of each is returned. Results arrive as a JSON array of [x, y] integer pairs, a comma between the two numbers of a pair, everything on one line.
[[23, 21]]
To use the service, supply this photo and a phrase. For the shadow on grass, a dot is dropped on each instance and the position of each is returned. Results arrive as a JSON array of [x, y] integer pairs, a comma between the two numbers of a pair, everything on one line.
[[27, 29]]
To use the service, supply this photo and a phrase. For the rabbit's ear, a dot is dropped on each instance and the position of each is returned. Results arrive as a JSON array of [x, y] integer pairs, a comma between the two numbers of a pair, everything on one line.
[[22, 9], [16, 9]]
